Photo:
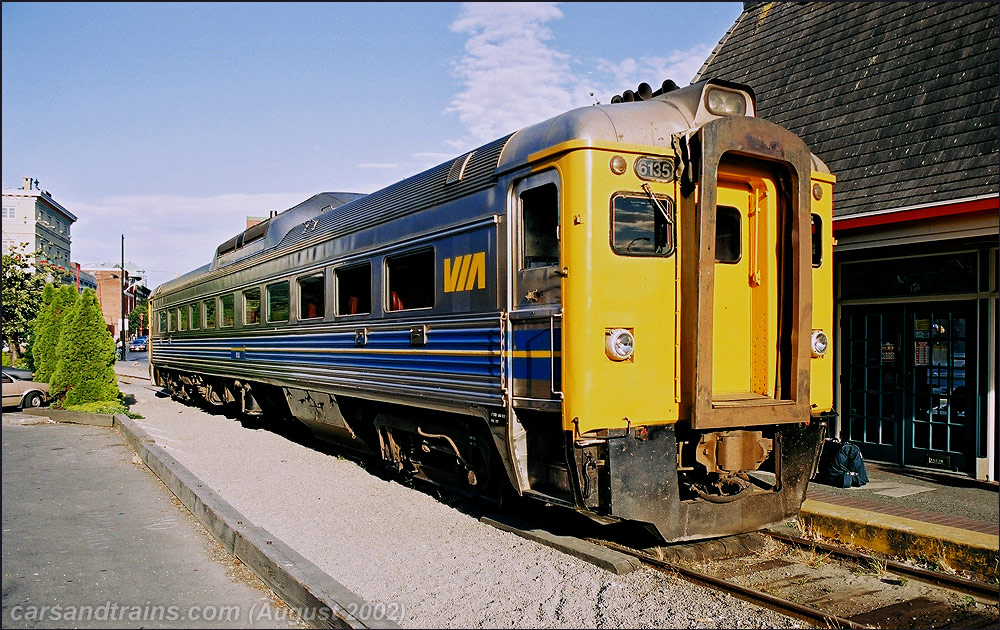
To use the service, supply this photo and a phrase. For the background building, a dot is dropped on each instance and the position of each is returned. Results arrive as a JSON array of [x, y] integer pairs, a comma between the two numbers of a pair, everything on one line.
[[900, 100], [109, 291], [32, 216]]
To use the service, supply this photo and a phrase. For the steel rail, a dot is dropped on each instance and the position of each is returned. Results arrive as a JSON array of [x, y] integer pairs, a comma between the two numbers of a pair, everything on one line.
[[990, 592], [784, 606]]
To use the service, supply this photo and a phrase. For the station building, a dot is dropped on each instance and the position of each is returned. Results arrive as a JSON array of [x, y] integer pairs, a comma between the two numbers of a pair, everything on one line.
[[900, 100]]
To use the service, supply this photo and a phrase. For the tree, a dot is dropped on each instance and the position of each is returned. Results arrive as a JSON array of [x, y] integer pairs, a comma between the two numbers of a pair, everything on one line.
[[22, 297], [48, 328], [85, 371], [139, 318]]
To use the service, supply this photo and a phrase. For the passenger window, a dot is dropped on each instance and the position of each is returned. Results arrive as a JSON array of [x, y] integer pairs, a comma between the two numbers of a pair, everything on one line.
[[817, 240], [354, 289], [540, 227], [228, 307], [727, 235], [312, 297], [210, 313], [182, 318], [640, 227], [410, 281], [196, 316], [170, 320], [251, 306], [162, 318], [277, 302]]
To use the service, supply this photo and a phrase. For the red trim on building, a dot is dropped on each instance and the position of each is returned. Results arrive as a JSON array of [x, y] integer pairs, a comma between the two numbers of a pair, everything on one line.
[[917, 214]]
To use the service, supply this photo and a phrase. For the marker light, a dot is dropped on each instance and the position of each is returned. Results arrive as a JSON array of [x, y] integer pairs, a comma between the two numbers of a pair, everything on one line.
[[819, 342], [619, 344], [618, 165]]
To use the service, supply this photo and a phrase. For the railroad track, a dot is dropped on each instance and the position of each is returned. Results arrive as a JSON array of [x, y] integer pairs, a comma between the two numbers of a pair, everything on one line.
[[825, 585]]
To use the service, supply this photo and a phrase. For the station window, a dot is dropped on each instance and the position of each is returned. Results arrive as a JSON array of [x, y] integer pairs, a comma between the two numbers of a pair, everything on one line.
[[277, 302], [640, 227], [196, 316], [540, 227], [182, 323], [210, 313], [727, 235], [312, 296], [228, 310], [817, 240], [251, 306], [162, 321], [410, 280], [354, 289]]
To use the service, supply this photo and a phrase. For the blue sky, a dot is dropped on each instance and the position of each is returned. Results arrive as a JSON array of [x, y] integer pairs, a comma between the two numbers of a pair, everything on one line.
[[171, 123]]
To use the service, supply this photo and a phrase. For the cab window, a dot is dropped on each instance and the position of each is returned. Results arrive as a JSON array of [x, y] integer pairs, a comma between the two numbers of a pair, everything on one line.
[[817, 240], [640, 227]]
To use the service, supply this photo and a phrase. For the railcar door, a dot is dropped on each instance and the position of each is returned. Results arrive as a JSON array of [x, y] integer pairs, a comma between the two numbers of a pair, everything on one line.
[[535, 301]]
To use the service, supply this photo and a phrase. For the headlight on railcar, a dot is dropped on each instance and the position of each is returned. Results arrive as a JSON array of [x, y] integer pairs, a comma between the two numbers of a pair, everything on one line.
[[619, 344], [722, 102], [819, 343]]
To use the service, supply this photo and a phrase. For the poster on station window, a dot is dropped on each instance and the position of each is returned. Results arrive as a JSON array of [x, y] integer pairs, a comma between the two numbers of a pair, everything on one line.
[[921, 328], [921, 353]]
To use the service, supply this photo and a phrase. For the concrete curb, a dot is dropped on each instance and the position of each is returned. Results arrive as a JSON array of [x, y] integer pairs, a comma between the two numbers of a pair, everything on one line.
[[972, 552], [319, 599], [74, 417]]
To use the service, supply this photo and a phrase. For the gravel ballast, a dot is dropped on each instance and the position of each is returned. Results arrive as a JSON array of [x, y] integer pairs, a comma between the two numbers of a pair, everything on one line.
[[415, 558]]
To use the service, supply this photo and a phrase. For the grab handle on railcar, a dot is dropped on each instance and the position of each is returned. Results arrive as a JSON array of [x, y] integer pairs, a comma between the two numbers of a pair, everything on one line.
[[552, 352]]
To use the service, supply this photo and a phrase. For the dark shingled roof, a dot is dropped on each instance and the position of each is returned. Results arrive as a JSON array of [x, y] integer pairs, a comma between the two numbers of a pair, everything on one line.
[[898, 98]]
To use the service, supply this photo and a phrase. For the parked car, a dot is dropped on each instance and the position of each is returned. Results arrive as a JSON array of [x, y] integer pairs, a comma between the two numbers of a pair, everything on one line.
[[23, 393], [24, 375], [138, 344]]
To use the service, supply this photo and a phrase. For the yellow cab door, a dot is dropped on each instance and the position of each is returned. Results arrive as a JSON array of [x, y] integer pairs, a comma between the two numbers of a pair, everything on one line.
[[745, 291]]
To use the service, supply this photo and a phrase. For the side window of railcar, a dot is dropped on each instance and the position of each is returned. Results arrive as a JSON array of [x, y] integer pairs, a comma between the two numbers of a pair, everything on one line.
[[312, 296], [162, 319], [228, 307], [640, 227], [817, 240], [354, 289], [182, 323], [410, 281], [170, 320], [196, 316], [540, 227], [210, 313], [727, 235], [251, 306], [277, 302]]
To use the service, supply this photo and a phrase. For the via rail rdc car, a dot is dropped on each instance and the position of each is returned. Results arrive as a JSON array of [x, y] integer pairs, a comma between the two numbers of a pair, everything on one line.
[[623, 310]]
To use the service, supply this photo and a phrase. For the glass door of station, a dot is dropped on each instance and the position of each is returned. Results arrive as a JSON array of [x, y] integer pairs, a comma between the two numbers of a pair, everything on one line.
[[908, 383]]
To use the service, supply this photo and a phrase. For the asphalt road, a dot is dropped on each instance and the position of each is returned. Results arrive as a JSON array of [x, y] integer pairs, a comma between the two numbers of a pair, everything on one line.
[[92, 539]]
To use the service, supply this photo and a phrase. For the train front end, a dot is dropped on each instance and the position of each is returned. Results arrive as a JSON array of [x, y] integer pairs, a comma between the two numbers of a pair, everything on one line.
[[697, 311]]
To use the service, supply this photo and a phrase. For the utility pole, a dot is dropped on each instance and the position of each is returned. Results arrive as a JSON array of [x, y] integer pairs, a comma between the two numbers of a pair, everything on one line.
[[121, 329]]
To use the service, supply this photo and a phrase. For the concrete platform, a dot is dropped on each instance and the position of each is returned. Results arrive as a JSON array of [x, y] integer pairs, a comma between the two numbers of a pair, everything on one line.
[[937, 520]]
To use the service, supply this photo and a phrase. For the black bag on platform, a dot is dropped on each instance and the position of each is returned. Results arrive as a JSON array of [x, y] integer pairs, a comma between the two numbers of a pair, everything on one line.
[[841, 465]]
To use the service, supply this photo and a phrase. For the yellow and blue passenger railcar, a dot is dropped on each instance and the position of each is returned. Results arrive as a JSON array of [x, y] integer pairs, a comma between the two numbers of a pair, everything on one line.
[[622, 310]]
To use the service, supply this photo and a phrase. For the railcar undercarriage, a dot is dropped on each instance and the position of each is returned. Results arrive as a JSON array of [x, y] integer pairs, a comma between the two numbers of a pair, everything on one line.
[[680, 483]]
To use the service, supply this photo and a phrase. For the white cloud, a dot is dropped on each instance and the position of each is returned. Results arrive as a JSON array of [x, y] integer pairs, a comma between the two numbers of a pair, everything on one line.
[[513, 74], [166, 235]]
